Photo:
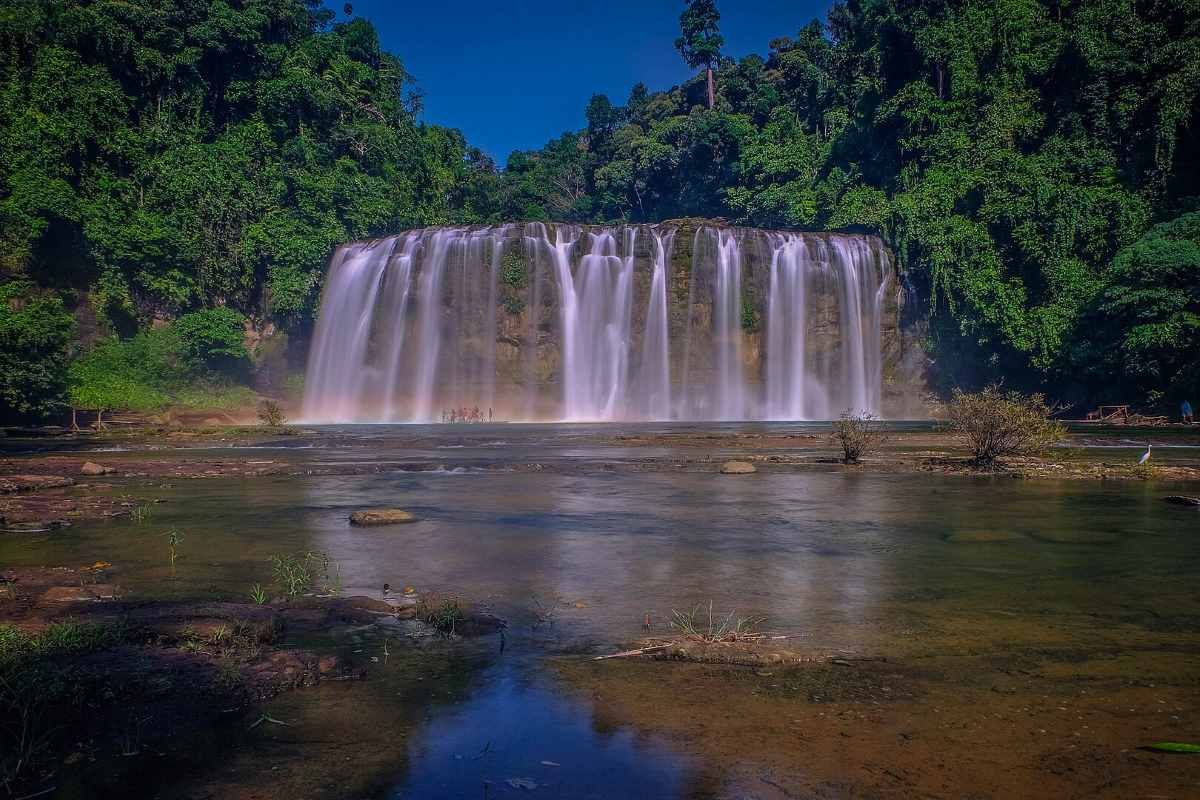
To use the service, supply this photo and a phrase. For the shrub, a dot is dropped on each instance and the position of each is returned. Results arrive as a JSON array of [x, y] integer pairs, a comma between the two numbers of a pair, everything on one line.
[[35, 330], [859, 434], [998, 424], [269, 413], [181, 362]]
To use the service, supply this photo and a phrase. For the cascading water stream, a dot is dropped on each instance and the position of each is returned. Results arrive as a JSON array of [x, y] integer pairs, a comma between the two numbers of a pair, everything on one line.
[[543, 321]]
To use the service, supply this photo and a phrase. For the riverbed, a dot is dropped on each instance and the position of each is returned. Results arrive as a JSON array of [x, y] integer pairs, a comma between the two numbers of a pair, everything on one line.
[[977, 635]]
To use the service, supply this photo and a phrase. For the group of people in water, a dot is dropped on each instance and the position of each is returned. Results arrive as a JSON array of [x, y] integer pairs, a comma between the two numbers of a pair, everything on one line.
[[465, 414]]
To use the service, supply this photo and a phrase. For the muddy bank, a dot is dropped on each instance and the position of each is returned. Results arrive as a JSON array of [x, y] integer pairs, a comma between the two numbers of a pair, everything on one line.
[[905, 727]]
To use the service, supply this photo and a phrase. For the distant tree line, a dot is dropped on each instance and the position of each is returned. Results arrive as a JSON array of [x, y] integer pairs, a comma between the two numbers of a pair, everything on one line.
[[1033, 164]]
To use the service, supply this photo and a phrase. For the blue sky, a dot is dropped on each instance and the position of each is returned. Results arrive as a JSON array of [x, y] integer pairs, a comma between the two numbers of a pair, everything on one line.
[[512, 75]]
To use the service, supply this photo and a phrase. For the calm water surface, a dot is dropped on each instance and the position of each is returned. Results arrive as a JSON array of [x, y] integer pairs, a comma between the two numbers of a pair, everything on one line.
[[580, 558]]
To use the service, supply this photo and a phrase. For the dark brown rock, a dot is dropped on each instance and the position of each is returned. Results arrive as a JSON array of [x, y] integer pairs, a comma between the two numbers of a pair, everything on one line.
[[1182, 500], [92, 468]]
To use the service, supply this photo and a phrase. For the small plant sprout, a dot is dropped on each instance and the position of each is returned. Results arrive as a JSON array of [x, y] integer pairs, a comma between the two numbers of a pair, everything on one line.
[[141, 513], [258, 594], [441, 614], [292, 574], [698, 625], [174, 539]]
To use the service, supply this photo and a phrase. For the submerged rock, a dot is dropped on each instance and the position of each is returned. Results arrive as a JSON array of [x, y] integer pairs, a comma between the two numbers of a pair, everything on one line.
[[92, 593], [32, 483], [738, 468], [381, 516], [92, 468], [982, 537], [1182, 500], [1075, 537]]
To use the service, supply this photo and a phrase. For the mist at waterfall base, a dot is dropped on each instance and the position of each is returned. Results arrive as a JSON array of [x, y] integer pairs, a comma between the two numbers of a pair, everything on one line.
[[539, 322]]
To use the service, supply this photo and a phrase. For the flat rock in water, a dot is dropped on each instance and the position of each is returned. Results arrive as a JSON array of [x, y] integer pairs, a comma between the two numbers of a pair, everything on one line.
[[33, 526], [1182, 500], [738, 468], [92, 593], [92, 468], [31, 483], [381, 516]]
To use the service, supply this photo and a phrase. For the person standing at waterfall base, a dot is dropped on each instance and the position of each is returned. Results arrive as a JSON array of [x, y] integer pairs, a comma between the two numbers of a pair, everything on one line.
[[1185, 411]]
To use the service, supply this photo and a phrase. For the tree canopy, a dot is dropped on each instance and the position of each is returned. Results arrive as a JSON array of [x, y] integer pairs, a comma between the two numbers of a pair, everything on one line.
[[1007, 150], [1032, 163]]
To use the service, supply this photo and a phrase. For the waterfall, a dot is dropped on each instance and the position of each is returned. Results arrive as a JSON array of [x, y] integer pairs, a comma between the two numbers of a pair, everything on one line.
[[582, 323]]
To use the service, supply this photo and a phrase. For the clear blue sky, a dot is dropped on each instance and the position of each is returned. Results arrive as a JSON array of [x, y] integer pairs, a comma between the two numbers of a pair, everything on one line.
[[512, 75]]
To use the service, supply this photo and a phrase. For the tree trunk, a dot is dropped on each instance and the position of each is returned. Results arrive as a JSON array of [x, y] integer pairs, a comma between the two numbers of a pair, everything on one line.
[[712, 97]]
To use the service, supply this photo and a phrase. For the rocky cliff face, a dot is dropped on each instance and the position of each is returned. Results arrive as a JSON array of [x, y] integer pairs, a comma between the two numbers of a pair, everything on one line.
[[681, 320]]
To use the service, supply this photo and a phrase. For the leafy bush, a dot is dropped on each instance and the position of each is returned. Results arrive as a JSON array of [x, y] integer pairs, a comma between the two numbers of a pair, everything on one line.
[[269, 413], [128, 374], [190, 362], [35, 330], [998, 424], [859, 434]]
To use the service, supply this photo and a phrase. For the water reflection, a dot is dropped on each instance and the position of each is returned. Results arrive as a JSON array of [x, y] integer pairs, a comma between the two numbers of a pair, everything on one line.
[[517, 733]]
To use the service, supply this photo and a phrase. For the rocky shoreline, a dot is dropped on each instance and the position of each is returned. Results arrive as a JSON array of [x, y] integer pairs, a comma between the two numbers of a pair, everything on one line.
[[77, 480]]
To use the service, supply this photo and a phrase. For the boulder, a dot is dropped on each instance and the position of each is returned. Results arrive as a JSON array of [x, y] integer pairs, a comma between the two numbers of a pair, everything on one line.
[[1182, 500], [92, 468], [738, 468], [381, 516]]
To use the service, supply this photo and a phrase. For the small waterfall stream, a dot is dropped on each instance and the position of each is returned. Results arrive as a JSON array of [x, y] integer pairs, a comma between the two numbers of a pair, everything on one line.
[[581, 323]]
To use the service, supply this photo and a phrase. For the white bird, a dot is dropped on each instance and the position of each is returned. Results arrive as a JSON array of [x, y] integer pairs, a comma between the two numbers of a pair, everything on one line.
[[1146, 456]]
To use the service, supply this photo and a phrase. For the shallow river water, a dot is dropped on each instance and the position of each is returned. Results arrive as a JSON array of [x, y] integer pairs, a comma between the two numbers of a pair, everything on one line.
[[580, 558]]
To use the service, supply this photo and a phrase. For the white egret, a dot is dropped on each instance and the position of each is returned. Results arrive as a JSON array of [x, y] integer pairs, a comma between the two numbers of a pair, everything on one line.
[[1146, 456]]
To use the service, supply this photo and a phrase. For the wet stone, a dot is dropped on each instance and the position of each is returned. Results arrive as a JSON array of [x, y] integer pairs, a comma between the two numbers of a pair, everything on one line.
[[93, 593], [92, 468], [381, 516], [32, 483], [738, 468]]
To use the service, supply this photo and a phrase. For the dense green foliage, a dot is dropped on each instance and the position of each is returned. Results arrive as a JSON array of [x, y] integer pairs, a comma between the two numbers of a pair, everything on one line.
[[1147, 324], [35, 329], [192, 360], [163, 156], [1008, 150], [1033, 164]]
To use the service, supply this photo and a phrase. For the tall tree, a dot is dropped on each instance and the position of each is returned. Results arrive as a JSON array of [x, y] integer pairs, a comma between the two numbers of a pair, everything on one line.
[[700, 44]]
